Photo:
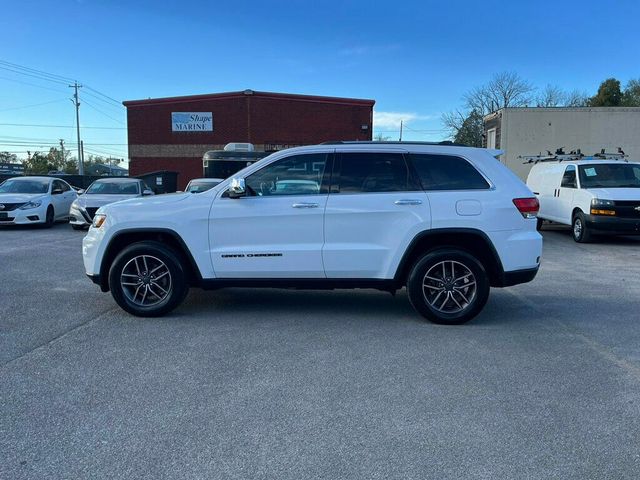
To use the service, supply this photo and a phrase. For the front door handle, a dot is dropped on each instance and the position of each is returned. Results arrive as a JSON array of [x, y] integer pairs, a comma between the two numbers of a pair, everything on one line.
[[408, 202], [305, 205]]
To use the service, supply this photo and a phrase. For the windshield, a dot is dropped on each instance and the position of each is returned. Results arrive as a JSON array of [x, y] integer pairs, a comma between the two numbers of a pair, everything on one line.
[[197, 187], [25, 186], [610, 175], [113, 188]]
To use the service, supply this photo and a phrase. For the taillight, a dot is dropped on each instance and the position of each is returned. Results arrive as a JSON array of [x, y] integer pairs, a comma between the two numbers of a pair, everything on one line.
[[528, 207]]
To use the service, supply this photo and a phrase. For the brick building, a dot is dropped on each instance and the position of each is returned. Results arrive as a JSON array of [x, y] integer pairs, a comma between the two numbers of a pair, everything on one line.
[[174, 133]]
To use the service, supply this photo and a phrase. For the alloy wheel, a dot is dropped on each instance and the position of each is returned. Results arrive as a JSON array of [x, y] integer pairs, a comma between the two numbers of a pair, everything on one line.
[[449, 287], [146, 280]]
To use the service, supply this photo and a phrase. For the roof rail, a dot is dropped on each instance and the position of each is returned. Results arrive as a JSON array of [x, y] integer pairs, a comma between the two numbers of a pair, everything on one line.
[[389, 142]]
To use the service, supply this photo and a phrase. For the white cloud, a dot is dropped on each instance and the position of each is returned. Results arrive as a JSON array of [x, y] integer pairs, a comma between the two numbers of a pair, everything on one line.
[[393, 119]]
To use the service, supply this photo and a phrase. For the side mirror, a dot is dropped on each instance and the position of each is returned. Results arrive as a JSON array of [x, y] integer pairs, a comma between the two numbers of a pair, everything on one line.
[[56, 191], [237, 188], [147, 192]]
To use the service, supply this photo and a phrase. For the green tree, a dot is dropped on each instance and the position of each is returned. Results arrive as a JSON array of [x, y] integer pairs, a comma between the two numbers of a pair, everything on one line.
[[38, 164], [471, 130], [631, 94], [8, 157], [609, 94]]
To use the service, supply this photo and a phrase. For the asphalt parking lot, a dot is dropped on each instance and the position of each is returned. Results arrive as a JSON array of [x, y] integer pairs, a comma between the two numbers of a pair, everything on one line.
[[545, 383]]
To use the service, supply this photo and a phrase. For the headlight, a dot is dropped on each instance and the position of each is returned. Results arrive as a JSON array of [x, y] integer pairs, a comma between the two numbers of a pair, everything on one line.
[[75, 205], [598, 202], [98, 220], [30, 205]]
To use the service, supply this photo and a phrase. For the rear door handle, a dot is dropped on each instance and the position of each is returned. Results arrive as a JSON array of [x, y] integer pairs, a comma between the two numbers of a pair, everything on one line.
[[408, 202], [305, 205]]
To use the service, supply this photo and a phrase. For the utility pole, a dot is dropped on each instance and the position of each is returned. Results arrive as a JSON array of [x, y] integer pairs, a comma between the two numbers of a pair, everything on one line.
[[400, 130], [76, 102], [61, 153], [82, 155]]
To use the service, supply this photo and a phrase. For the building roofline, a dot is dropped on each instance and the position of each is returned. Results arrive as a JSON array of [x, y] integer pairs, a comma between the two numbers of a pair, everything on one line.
[[564, 109], [245, 93]]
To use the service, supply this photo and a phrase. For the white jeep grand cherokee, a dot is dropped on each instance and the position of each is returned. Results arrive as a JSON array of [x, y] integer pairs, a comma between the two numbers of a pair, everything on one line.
[[447, 222]]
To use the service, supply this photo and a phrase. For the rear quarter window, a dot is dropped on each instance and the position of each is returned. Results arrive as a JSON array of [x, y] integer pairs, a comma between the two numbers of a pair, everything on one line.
[[447, 172]]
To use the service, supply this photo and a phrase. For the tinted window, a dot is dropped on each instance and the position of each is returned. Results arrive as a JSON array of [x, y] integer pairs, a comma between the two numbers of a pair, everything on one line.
[[57, 185], [446, 172], [569, 178], [375, 172], [296, 175]]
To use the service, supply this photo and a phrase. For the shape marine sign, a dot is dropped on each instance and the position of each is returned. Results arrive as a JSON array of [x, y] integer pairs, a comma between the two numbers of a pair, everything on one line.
[[192, 121]]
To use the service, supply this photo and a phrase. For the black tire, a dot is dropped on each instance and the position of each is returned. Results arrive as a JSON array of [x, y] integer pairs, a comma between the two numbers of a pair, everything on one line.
[[457, 263], [539, 224], [78, 227], [579, 229], [174, 281], [50, 217]]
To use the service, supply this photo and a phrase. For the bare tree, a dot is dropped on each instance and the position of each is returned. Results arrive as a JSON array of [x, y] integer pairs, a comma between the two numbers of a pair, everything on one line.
[[576, 98], [381, 138], [506, 89], [453, 121], [551, 96]]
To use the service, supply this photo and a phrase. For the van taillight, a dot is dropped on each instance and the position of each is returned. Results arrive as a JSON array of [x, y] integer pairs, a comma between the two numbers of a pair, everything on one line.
[[528, 207]]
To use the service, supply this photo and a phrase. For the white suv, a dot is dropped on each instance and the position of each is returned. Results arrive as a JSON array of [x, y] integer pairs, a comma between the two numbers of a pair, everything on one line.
[[447, 222]]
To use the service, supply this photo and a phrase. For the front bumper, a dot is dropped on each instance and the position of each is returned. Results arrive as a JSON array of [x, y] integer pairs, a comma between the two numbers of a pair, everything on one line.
[[613, 225], [24, 217], [79, 217]]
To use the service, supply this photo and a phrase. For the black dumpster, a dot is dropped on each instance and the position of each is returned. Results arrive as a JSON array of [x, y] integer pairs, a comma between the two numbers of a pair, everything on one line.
[[162, 181]]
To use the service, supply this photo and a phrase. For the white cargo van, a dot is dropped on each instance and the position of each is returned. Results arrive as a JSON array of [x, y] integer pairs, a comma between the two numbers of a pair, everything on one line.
[[593, 196]]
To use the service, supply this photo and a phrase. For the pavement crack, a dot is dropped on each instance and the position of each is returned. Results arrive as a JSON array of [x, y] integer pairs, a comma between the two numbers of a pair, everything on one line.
[[60, 337]]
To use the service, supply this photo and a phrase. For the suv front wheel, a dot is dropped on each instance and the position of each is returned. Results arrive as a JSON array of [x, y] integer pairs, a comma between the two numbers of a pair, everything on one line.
[[147, 279], [448, 286]]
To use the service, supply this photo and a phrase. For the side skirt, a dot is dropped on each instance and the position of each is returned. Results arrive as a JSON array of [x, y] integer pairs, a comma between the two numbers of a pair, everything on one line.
[[300, 283]]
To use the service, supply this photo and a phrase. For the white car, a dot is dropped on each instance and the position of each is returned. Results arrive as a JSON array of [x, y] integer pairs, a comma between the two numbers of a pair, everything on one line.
[[102, 192], [595, 197], [35, 200], [199, 185], [446, 222]]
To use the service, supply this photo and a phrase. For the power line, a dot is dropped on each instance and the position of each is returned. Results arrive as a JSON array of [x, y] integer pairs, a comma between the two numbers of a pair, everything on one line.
[[57, 126], [35, 71], [33, 85], [101, 112], [39, 77], [105, 96], [107, 103], [33, 105]]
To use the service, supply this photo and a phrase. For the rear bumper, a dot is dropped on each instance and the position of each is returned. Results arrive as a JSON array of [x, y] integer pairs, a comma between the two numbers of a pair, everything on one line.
[[613, 225], [519, 276]]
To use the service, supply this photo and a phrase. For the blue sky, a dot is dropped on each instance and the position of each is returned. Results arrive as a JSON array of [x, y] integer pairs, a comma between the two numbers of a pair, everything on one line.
[[416, 59]]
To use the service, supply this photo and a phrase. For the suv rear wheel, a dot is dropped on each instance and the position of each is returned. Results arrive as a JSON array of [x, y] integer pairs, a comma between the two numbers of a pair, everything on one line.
[[448, 286], [147, 279]]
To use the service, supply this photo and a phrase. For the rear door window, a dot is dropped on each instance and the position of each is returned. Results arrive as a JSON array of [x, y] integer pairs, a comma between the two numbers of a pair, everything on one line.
[[447, 172], [374, 173]]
